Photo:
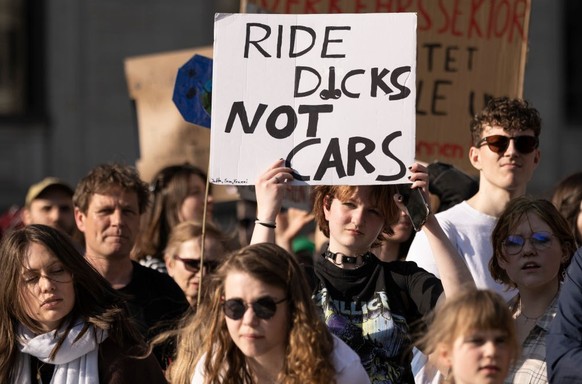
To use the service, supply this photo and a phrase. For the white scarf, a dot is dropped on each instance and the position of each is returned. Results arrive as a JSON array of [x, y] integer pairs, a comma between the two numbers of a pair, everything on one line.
[[75, 362]]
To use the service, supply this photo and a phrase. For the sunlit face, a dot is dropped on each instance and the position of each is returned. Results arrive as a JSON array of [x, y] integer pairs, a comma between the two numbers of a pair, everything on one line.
[[187, 277], [48, 294], [402, 229], [479, 357], [53, 207], [110, 224], [533, 268], [353, 224], [192, 207], [510, 170], [579, 221], [261, 340]]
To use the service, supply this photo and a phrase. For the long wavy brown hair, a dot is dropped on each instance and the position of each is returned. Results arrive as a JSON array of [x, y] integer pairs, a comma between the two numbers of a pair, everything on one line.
[[309, 343], [96, 302], [170, 187]]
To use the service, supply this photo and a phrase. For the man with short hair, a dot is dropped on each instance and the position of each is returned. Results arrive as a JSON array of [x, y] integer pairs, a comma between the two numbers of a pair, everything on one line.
[[505, 151], [505, 136], [50, 202], [109, 202]]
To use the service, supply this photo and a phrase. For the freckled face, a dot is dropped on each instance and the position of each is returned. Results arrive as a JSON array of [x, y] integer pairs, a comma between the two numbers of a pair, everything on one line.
[[354, 224]]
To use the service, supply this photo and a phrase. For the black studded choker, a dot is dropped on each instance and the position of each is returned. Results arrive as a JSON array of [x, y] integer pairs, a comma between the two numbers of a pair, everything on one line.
[[339, 258]]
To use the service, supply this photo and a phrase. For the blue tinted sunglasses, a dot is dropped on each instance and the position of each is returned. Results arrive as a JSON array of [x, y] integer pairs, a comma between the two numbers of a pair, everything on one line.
[[513, 244]]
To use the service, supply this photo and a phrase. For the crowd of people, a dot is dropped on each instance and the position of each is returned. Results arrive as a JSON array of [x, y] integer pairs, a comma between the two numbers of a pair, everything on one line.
[[117, 280]]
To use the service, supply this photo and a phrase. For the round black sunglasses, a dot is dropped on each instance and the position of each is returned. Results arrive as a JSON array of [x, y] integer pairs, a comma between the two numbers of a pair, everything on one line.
[[264, 308], [499, 143]]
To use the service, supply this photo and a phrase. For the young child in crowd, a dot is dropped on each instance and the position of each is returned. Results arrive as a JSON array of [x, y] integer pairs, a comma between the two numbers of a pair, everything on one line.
[[369, 304], [472, 338]]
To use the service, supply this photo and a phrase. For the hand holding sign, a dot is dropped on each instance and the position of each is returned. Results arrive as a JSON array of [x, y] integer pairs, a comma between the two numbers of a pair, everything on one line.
[[358, 129], [270, 188]]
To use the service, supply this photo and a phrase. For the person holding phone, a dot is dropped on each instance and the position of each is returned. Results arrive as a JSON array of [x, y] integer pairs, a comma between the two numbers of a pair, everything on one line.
[[505, 152], [370, 304]]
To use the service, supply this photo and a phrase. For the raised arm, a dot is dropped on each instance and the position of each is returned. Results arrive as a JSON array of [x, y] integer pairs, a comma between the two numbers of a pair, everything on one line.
[[452, 269], [289, 225], [270, 189]]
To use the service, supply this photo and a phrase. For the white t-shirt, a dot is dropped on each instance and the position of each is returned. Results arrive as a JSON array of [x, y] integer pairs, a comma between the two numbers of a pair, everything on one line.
[[470, 232], [347, 365]]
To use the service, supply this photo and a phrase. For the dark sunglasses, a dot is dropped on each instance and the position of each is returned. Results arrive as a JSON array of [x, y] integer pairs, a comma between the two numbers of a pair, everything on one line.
[[264, 308], [513, 244], [499, 143], [194, 264]]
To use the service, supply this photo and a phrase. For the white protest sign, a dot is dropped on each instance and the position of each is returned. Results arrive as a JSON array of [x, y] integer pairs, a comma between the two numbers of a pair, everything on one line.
[[333, 94]]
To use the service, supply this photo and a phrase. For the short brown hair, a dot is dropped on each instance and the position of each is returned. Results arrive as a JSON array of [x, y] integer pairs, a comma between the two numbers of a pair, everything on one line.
[[513, 115], [511, 217], [381, 196], [105, 177]]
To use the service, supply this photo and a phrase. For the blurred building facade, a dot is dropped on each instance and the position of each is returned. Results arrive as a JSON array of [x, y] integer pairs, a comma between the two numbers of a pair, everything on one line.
[[64, 104]]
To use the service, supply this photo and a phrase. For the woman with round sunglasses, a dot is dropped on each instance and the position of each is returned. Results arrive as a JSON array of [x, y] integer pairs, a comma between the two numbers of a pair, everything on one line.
[[184, 251], [372, 305], [61, 321], [532, 245], [259, 325]]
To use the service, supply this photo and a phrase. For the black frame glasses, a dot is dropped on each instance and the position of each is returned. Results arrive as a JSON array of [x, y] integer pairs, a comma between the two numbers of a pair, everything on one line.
[[264, 308], [513, 244], [194, 264], [498, 143]]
